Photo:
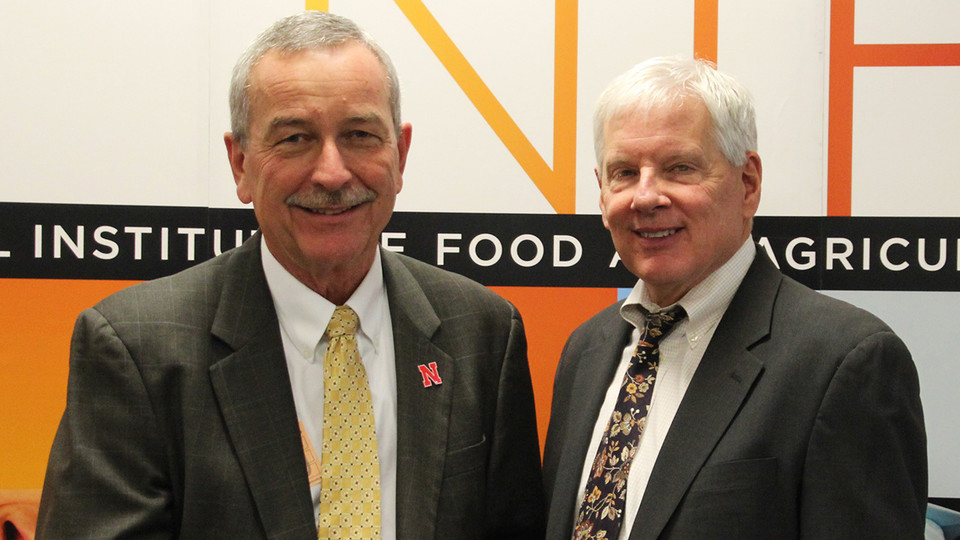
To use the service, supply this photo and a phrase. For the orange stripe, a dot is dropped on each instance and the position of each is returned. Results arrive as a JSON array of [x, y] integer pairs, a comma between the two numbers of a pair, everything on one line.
[[705, 23], [318, 5], [563, 185], [557, 186], [549, 315], [890, 55], [35, 328], [840, 122]]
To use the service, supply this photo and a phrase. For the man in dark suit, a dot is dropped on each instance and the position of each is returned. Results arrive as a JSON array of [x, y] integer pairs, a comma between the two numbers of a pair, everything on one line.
[[196, 404], [759, 408]]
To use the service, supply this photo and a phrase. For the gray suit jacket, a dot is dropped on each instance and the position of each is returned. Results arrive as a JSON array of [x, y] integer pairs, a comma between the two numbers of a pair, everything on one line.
[[802, 421], [180, 420]]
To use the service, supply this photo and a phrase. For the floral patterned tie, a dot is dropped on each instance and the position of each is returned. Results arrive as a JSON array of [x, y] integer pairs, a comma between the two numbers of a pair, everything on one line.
[[601, 512], [349, 465]]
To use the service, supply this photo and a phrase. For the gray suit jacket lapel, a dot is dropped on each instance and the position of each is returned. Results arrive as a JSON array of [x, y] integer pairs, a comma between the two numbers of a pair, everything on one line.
[[423, 413], [252, 387], [591, 382], [717, 389]]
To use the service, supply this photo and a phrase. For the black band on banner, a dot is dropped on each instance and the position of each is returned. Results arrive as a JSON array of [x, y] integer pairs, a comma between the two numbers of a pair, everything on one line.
[[952, 503], [72, 241]]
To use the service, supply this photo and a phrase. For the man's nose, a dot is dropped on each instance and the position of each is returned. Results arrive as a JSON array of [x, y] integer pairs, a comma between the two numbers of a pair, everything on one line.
[[648, 193], [330, 169]]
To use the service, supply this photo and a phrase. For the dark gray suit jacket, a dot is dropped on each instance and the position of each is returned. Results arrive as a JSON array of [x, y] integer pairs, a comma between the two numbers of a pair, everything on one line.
[[180, 420], [802, 421]]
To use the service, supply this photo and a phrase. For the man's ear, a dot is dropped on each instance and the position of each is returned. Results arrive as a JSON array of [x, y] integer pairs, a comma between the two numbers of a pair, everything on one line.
[[603, 208], [751, 177], [403, 147], [236, 155]]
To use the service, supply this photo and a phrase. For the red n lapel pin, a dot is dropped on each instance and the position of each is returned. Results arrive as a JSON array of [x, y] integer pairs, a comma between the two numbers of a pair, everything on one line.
[[430, 374]]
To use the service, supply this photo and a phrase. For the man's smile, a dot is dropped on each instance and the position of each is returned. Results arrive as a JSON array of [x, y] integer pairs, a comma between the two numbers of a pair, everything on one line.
[[657, 234]]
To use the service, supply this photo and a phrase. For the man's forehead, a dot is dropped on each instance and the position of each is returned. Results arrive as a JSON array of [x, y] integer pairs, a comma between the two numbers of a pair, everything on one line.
[[329, 61], [644, 113], [687, 119], [290, 81]]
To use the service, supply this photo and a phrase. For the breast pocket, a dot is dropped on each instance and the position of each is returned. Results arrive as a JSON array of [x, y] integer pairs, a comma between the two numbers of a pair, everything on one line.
[[728, 500], [466, 459], [756, 475], [462, 496]]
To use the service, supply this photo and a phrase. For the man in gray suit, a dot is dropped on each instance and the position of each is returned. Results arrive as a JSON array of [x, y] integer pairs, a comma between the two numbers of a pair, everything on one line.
[[766, 410], [195, 402]]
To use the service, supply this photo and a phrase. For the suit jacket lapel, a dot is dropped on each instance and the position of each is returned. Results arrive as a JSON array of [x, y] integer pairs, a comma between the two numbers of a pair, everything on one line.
[[423, 412], [593, 377], [721, 383], [252, 387]]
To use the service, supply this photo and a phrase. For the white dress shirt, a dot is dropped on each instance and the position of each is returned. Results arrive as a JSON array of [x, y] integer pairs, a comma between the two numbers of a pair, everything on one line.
[[680, 354], [303, 316]]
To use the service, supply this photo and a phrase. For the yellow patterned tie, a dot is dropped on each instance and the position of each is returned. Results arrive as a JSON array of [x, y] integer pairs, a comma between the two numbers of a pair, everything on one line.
[[350, 468]]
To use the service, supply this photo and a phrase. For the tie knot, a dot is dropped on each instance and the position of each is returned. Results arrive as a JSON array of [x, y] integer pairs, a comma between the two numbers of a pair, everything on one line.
[[343, 321], [661, 322]]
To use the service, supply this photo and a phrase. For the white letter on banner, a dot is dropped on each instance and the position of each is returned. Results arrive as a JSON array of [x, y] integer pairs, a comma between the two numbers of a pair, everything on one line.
[[217, 235], [832, 255], [765, 244], [164, 243], [886, 260], [442, 247], [922, 255], [811, 256], [138, 233], [105, 242], [614, 260], [38, 244], [386, 237], [577, 251], [191, 234], [60, 236], [515, 250], [866, 254], [497, 249]]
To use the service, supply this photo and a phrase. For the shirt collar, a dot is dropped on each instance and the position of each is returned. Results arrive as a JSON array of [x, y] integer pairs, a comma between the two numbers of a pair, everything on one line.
[[304, 314], [705, 303]]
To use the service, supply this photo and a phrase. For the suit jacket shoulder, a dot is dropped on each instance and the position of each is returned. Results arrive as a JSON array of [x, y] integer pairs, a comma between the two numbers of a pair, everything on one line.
[[823, 314], [605, 324], [195, 297]]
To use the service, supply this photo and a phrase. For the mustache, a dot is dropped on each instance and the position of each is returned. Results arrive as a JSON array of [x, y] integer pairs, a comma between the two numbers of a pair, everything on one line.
[[320, 197]]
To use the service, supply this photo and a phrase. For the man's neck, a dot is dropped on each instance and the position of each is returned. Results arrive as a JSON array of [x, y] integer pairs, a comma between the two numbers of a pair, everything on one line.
[[335, 283]]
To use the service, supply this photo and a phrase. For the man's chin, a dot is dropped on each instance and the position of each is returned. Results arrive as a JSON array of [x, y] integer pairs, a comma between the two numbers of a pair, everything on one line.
[[654, 272]]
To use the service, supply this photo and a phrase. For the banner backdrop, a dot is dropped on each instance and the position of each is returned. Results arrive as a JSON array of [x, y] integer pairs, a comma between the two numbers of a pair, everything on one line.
[[114, 171]]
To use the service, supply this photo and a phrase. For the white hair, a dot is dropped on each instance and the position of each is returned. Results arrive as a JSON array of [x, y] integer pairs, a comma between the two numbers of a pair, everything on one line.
[[310, 30], [663, 81]]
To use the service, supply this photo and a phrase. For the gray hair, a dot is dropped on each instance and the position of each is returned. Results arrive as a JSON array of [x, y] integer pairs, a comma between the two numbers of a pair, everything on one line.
[[310, 30], [663, 81]]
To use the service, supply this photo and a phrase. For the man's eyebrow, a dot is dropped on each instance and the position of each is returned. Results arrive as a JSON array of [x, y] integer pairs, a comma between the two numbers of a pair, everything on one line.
[[371, 118], [615, 162], [286, 121]]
